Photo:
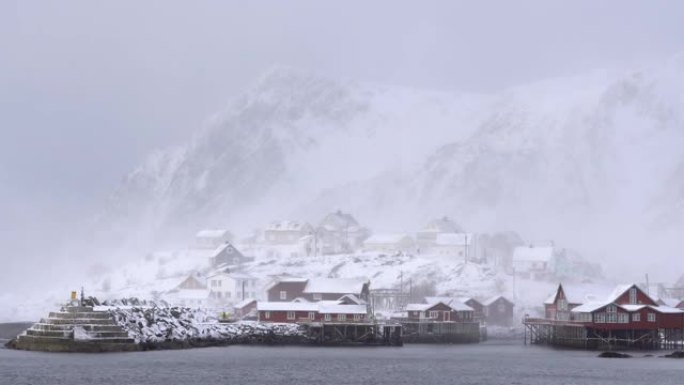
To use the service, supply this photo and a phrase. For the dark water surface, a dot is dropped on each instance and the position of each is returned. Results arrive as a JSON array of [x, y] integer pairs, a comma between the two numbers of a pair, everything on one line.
[[489, 363]]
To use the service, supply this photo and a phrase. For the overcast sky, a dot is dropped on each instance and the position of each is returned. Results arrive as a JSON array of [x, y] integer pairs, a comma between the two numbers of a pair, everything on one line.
[[88, 88]]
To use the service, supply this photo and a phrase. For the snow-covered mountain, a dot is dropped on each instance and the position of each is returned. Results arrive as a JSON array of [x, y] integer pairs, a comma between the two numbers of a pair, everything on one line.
[[594, 161]]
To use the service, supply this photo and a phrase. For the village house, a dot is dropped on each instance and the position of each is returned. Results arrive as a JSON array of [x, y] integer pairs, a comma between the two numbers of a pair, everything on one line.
[[302, 311], [326, 289], [285, 289], [286, 232], [628, 308], [389, 243], [232, 287], [212, 239], [535, 262], [427, 237], [227, 255], [477, 306], [190, 291], [558, 306], [498, 311], [452, 245], [339, 232], [450, 310]]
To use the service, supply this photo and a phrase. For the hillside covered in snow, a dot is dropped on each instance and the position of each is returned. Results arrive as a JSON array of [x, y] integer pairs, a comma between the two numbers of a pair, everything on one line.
[[592, 161]]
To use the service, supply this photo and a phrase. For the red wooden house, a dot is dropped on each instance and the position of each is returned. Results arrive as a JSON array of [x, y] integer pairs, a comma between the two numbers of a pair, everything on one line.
[[440, 312], [498, 310], [294, 312], [285, 289], [558, 306], [245, 309]]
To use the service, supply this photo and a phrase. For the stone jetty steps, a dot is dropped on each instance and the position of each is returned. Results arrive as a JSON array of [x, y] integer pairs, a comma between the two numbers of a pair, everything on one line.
[[76, 329]]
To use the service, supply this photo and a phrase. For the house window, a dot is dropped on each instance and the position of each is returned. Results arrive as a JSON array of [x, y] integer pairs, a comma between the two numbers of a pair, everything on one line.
[[636, 317], [633, 295], [501, 307], [312, 316], [290, 315], [267, 314], [562, 304], [357, 317], [327, 317], [318, 297], [434, 314], [623, 318], [611, 314], [651, 317], [341, 317], [600, 318], [283, 295]]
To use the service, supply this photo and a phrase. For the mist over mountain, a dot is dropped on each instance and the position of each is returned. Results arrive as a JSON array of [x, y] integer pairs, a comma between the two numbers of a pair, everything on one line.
[[592, 161]]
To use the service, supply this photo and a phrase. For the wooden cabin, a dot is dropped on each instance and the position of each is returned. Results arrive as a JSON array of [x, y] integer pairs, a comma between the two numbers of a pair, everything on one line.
[[439, 312], [498, 311]]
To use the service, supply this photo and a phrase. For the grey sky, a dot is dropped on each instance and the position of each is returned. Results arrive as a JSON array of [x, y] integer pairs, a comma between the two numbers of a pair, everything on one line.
[[88, 88]]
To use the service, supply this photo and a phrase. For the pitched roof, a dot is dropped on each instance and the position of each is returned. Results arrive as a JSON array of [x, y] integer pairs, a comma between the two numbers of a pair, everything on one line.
[[493, 299], [622, 289], [244, 303], [453, 303], [287, 306], [284, 225], [343, 309], [335, 285], [590, 307]]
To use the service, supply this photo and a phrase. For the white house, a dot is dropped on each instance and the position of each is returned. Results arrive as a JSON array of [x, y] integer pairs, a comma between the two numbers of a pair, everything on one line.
[[211, 239], [339, 232], [534, 261], [286, 232], [428, 235], [190, 291], [451, 245], [389, 243], [232, 287]]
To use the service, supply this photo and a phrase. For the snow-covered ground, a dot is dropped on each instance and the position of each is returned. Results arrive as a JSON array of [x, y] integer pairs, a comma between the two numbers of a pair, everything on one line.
[[159, 324]]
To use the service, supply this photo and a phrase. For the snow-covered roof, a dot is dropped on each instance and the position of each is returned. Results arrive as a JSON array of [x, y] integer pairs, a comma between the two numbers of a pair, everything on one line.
[[352, 298], [670, 302], [533, 253], [387, 239], [287, 306], [493, 299], [667, 309], [622, 289], [632, 308], [244, 303], [589, 307], [342, 309], [215, 233], [452, 239], [229, 248], [285, 225], [453, 303], [335, 285]]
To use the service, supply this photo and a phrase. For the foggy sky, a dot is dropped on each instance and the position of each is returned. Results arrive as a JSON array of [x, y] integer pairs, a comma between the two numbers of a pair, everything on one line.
[[87, 89]]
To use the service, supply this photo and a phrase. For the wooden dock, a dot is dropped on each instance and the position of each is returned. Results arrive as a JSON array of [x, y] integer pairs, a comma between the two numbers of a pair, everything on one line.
[[442, 332], [580, 335], [354, 334]]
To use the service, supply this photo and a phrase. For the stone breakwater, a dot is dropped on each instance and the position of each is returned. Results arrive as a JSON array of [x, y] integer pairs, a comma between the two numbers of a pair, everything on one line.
[[132, 328], [177, 327]]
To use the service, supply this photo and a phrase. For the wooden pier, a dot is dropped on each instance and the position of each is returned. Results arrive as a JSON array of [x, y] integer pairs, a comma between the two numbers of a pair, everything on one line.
[[441, 332], [354, 334], [580, 335]]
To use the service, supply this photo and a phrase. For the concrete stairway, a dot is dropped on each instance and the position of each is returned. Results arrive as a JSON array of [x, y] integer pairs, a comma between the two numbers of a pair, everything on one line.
[[76, 329]]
